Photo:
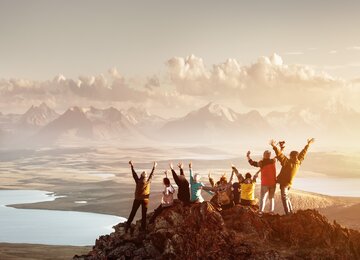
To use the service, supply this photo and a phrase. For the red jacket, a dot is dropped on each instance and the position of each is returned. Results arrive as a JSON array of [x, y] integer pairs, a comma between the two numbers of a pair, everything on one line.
[[268, 171]]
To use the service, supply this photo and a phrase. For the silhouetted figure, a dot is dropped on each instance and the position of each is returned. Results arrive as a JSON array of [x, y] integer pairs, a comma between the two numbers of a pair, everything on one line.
[[290, 166], [182, 183], [142, 194]]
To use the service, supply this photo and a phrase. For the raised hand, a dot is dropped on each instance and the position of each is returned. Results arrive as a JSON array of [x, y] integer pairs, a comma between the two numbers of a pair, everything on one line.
[[190, 165], [180, 165], [171, 166], [310, 140], [209, 175], [248, 154], [155, 164], [272, 142], [131, 163]]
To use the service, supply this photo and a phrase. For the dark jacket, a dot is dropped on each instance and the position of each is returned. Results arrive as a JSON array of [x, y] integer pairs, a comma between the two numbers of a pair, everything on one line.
[[183, 184], [142, 190], [289, 166]]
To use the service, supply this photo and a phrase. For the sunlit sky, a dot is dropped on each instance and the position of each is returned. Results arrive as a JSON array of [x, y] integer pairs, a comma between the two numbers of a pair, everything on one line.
[[175, 56], [40, 39]]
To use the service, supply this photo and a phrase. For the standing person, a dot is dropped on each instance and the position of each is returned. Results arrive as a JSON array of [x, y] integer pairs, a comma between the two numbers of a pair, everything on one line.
[[196, 186], [142, 194], [268, 179], [247, 184], [167, 199], [289, 168], [182, 183]]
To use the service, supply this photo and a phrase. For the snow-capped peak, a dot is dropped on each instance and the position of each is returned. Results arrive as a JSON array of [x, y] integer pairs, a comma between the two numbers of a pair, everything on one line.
[[221, 111]]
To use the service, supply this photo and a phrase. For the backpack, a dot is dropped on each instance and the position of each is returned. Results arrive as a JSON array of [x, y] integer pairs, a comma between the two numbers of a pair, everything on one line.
[[223, 197]]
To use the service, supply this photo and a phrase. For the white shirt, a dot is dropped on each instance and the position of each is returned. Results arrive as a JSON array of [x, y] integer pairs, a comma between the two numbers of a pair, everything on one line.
[[168, 196]]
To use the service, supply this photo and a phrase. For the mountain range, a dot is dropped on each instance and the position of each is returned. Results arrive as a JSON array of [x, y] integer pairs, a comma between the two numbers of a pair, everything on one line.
[[212, 123]]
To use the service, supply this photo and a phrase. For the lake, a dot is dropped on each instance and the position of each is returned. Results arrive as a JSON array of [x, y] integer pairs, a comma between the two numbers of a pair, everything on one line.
[[51, 227]]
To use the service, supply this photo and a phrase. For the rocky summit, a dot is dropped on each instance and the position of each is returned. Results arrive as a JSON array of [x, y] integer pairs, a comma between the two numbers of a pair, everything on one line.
[[200, 231]]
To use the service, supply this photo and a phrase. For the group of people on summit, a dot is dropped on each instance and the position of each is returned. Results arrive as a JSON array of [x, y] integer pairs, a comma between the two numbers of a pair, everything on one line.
[[225, 194]]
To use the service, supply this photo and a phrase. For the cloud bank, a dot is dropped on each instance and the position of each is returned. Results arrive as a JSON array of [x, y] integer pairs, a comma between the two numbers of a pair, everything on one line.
[[187, 83], [266, 82]]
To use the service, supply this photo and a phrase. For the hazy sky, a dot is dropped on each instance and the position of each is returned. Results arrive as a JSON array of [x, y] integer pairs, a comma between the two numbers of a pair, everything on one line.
[[150, 42], [41, 39]]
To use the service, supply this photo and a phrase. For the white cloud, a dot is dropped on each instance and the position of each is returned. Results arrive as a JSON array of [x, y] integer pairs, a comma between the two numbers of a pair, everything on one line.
[[189, 82], [354, 48], [266, 82]]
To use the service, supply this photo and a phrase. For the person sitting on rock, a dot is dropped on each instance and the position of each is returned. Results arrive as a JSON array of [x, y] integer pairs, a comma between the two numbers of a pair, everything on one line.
[[247, 184], [289, 168], [142, 194], [167, 199], [268, 179], [196, 187], [182, 183], [223, 194], [214, 199]]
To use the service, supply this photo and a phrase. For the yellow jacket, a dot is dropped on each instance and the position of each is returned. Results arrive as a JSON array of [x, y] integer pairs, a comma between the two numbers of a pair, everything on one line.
[[247, 191], [289, 167]]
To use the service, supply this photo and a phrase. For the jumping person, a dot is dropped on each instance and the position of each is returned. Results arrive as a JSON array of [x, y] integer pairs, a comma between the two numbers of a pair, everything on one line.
[[182, 183], [290, 166], [167, 199], [247, 195], [142, 194], [268, 179]]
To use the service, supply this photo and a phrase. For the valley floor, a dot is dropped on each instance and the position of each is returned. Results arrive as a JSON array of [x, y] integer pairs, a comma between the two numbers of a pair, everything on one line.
[[99, 180], [35, 252]]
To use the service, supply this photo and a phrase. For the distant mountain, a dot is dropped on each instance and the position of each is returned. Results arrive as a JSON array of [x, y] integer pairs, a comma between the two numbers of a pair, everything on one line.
[[38, 116], [110, 123], [332, 121], [210, 124], [215, 121], [73, 122], [144, 121]]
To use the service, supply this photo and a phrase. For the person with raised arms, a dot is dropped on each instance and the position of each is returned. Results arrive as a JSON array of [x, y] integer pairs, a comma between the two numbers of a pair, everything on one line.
[[142, 194], [289, 168], [182, 183], [268, 179]]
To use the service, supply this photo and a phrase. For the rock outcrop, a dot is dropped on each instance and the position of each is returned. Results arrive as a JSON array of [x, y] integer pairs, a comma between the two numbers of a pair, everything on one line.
[[201, 232]]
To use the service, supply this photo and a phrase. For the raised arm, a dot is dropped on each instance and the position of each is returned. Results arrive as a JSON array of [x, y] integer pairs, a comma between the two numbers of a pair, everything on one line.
[[210, 190], [191, 175], [238, 175], [231, 177], [279, 155], [211, 180], [134, 174], [256, 176], [152, 171], [180, 165], [302, 154], [251, 162], [175, 176]]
